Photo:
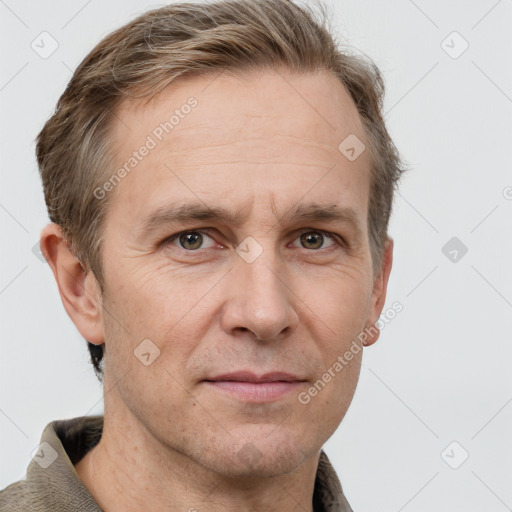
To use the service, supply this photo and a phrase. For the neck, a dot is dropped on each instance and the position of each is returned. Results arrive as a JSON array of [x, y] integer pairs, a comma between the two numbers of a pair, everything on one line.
[[129, 470]]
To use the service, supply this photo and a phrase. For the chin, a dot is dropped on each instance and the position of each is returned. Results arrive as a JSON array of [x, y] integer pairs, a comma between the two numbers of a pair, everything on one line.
[[258, 452]]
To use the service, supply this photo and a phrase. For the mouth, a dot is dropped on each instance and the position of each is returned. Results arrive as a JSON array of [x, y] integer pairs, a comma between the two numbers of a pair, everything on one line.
[[249, 387]]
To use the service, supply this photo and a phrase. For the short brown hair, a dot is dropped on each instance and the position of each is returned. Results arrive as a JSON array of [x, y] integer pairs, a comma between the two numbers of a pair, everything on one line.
[[143, 57]]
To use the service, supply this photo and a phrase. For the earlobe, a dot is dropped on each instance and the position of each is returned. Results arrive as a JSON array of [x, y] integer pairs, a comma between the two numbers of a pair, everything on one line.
[[79, 291], [378, 297]]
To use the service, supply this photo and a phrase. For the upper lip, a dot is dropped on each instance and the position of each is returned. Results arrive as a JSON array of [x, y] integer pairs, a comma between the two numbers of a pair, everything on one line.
[[246, 376]]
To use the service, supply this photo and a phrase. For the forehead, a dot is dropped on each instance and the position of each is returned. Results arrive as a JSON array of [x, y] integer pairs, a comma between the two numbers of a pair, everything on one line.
[[219, 137]]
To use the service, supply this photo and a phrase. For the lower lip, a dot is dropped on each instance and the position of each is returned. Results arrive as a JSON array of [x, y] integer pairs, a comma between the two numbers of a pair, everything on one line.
[[255, 391]]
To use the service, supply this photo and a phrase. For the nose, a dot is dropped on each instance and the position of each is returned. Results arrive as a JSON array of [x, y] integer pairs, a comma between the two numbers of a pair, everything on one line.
[[258, 300]]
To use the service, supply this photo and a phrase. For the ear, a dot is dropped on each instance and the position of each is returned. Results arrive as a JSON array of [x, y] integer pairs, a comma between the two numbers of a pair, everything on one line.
[[378, 297], [79, 290]]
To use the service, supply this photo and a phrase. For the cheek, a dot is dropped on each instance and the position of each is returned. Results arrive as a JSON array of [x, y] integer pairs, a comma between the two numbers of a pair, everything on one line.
[[339, 305], [147, 298], [341, 319], [164, 306], [327, 400]]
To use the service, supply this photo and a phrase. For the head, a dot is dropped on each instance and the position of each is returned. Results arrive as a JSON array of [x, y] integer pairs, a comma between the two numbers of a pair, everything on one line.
[[207, 218]]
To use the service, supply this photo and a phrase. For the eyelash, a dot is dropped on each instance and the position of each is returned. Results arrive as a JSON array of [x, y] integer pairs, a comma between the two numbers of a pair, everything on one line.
[[337, 239]]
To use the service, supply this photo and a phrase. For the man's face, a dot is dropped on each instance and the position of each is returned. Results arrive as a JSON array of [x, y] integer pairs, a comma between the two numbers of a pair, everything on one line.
[[291, 299]]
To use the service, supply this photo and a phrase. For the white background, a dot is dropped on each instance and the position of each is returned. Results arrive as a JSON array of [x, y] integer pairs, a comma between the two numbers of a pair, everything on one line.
[[441, 369]]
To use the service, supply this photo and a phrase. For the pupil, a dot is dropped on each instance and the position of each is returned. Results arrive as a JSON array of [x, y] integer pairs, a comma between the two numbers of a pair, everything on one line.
[[310, 237], [192, 239]]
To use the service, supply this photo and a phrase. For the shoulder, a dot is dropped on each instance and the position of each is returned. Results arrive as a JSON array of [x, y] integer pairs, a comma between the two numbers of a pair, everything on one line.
[[14, 498], [51, 482]]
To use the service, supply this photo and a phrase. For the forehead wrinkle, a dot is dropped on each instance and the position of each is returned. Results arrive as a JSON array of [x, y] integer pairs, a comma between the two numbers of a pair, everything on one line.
[[236, 143]]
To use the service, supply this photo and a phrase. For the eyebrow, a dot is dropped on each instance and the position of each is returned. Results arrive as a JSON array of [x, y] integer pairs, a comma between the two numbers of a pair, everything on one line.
[[186, 213]]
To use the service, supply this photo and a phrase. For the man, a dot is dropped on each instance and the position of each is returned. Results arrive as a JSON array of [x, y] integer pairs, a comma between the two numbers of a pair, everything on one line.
[[219, 179]]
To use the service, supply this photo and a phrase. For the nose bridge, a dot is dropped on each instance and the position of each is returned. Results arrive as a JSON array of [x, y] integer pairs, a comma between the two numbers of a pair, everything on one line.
[[259, 299], [262, 276]]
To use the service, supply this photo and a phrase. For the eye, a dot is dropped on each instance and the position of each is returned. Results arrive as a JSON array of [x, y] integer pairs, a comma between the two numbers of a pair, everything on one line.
[[190, 240], [194, 240], [315, 239]]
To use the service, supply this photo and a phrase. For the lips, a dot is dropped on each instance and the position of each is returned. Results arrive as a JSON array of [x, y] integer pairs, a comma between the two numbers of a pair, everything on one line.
[[249, 387], [245, 376]]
